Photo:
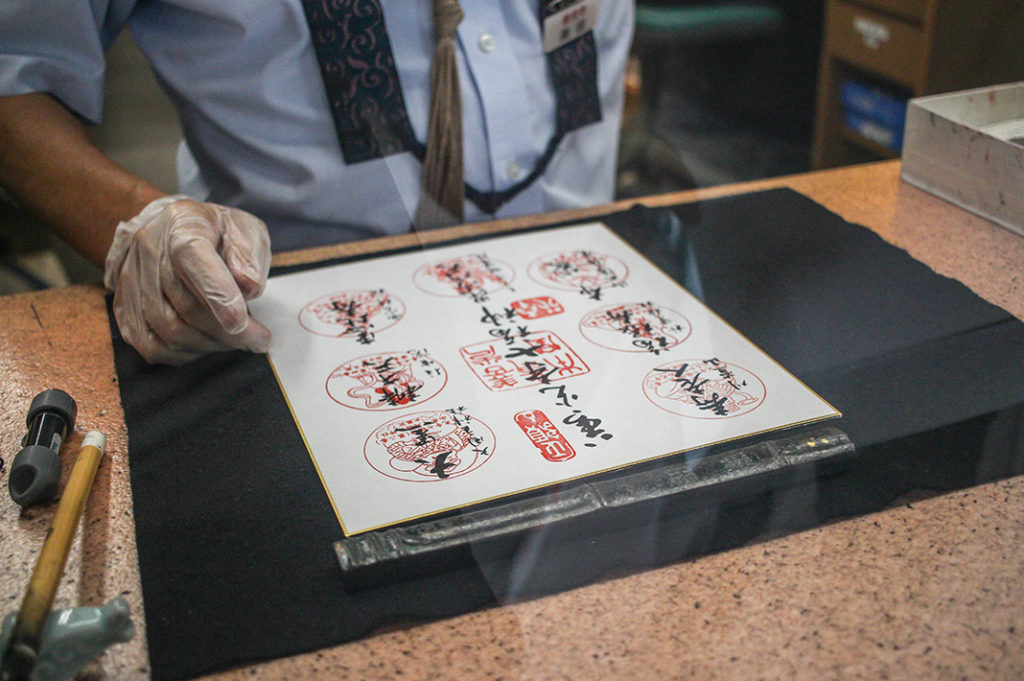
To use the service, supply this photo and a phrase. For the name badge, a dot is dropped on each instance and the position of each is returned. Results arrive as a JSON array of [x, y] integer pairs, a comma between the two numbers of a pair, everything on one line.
[[568, 22]]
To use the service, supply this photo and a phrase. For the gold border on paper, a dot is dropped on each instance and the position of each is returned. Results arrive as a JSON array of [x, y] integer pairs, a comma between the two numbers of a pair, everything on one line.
[[309, 449]]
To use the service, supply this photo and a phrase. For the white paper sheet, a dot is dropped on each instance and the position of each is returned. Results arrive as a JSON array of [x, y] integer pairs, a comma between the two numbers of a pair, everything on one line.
[[444, 377]]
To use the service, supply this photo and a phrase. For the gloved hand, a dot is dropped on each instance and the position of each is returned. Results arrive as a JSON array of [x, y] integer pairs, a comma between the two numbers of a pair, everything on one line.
[[181, 272]]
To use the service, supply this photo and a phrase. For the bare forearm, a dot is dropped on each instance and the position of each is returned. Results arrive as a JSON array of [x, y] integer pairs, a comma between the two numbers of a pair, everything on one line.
[[51, 168]]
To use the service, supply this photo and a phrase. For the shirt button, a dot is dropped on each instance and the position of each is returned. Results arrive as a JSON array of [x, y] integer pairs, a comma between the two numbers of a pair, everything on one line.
[[514, 170], [486, 42]]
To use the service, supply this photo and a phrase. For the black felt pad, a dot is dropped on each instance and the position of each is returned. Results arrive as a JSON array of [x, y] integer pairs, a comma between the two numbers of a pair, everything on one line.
[[234, 529]]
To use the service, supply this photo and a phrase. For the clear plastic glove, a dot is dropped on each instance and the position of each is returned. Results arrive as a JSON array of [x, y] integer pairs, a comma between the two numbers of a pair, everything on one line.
[[181, 272]]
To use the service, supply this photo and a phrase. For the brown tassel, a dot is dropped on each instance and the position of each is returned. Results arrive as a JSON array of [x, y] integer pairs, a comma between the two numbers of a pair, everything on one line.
[[441, 203]]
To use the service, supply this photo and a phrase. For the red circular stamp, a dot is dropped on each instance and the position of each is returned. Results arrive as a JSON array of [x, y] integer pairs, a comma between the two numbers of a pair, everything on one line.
[[635, 327], [704, 388], [429, 446], [352, 314], [387, 380], [584, 271], [474, 276]]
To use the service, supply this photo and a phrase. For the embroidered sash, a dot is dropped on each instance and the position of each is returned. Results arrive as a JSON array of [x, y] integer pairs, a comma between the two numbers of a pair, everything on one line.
[[361, 80]]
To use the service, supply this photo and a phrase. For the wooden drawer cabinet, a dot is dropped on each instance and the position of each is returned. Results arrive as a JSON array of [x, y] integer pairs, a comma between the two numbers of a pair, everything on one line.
[[882, 44], [908, 48]]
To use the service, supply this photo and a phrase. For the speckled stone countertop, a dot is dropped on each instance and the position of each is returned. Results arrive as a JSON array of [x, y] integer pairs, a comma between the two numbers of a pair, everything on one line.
[[931, 589]]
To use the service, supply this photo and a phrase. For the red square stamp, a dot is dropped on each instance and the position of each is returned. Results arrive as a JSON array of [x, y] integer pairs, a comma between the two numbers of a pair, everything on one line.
[[544, 435], [535, 308], [539, 357]]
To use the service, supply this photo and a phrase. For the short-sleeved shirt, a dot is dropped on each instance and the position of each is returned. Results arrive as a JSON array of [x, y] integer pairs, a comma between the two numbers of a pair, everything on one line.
[[259, 131]]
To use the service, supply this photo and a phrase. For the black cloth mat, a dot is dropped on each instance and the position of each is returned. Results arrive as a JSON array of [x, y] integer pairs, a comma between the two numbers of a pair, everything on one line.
[[234, 530]]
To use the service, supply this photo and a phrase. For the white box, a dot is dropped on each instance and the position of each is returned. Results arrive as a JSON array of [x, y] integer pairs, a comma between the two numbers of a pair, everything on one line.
[[968, 148]]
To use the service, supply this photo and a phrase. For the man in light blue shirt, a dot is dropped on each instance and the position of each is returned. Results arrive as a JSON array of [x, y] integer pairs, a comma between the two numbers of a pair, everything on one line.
[[277, 99]]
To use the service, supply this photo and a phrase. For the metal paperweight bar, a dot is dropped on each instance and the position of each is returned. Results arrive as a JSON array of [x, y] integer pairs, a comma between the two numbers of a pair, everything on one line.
[[729, 475]]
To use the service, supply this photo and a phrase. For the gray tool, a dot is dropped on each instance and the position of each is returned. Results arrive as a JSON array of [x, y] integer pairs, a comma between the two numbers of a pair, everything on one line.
[[74, 637]]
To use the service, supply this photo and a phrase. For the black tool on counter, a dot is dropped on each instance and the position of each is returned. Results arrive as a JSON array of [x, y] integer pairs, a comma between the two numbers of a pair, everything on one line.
[[35, 472]]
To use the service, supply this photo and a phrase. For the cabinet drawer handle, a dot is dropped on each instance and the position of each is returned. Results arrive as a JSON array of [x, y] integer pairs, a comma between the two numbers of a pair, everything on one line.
[[872, 33]]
